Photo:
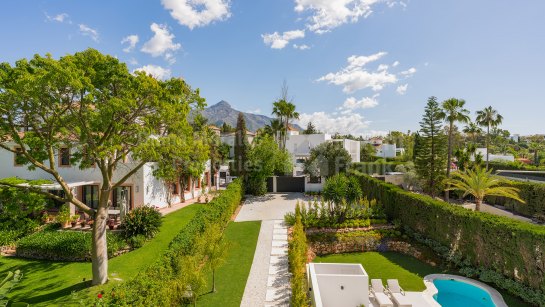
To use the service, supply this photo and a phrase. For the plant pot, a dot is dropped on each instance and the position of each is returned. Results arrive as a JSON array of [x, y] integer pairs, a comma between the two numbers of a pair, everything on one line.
[[83, 224], [73, 224], [111, 224]]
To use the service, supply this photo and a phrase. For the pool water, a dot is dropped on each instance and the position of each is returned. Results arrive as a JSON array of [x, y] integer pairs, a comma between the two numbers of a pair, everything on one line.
[[455, 293]]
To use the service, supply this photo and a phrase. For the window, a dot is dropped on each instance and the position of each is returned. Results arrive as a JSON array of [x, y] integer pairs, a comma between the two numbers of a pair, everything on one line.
[[90, 195], [53, 203], [64, 157], [18, 156], [174, 189]]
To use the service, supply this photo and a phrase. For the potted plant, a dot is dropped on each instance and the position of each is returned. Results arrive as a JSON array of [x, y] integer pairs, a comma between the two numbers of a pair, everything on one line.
[[206, 198], [74, 220], [83, 223], [64, 216]]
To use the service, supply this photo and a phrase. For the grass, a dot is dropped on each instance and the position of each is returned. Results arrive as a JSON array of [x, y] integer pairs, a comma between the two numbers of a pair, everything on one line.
[[408, 270], [47, 283], [231, 277]]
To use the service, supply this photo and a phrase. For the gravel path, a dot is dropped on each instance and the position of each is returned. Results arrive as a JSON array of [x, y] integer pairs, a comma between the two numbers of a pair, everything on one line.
[[268, 282]]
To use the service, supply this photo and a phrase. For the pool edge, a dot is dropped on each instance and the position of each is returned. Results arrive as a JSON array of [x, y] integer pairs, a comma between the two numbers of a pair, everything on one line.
[[431, 290]]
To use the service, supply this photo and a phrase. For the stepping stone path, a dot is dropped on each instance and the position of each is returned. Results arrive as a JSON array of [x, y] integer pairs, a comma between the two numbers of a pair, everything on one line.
[[278, 282]]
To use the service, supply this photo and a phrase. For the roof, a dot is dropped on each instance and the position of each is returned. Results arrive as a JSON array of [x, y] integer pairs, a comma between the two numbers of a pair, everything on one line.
[[292, 128]]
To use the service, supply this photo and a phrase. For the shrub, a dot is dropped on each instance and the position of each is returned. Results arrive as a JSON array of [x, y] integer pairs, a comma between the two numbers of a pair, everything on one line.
[[64, 245], [9, 237], [136, 241], [486, 241], [144, 221], [169, 277], [532, 193], [297, 256]]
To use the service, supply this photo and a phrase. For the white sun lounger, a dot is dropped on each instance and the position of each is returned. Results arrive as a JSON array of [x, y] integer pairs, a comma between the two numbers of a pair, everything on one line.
[[378, 291], [398, 294]]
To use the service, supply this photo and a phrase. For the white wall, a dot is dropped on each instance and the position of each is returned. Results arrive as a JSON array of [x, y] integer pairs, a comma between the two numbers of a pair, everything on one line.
[[492, 157], [387, 151], [339, 285]]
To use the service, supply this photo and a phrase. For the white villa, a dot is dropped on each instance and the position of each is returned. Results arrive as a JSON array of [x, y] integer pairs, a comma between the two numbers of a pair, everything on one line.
[[299, 146], [229, 139], [140, 189]]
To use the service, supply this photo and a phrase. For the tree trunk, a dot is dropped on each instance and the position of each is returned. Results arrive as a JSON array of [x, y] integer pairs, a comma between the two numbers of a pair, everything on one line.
[[182, 189], [99, 252], [478, 203], [213, 280], [449, 157], [487, 144], [192, 188]]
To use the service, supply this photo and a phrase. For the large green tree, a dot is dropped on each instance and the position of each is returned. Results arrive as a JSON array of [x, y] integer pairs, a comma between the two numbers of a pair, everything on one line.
[[327, 159], [110, 118], [284, 109], [489, 118], [431, 151], [453, 112]]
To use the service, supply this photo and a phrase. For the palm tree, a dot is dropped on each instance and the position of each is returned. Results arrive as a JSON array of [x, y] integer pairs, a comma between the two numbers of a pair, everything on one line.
[[480, 183], [275, 128], [285, 111], [489, 118], [472, 130], [453, 111]]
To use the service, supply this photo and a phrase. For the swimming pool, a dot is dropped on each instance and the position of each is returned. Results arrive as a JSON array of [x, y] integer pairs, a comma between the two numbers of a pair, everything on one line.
[[454, 293]]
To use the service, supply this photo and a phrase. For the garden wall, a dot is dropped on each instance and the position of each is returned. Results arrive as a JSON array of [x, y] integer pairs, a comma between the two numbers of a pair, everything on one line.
[[512, 248]]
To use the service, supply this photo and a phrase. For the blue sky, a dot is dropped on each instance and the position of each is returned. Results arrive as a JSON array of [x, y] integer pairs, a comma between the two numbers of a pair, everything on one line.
[[353, 66]]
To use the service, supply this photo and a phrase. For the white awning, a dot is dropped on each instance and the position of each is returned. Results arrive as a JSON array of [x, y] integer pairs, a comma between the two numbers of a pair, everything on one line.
[[56, 186]]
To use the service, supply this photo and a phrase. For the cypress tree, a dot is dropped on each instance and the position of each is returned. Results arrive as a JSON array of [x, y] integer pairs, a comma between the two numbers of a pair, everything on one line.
[[431, 151], [241, 146]]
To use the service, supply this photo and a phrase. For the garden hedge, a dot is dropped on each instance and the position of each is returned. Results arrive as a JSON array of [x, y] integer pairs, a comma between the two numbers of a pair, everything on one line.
[[513, 248], [379, 168], [532, 193], [64, 245], [160, 283], [297, 257], [514, 166]]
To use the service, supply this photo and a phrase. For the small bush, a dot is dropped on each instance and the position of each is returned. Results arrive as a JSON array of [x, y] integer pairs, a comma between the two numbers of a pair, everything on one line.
[[297, 256], [144, 221], [9, 237], [136, 241]]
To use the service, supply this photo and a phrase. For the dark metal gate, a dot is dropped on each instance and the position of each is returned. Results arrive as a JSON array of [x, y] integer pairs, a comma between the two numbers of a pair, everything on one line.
[[290, 184]]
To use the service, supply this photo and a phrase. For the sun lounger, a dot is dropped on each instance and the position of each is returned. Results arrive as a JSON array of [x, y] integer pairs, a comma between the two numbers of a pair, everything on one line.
[[377, 289], [397, 293]]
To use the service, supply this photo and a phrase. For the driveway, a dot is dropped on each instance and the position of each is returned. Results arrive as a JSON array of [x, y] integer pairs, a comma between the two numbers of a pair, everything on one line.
[[268, 207]]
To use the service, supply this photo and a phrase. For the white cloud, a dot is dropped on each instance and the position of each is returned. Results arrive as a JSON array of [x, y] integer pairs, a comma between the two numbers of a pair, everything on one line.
[[62, 17], [156, 71], [395, 64], [402, 89], [197, 13], [301, 47], [382, 67], [132, 40], [409, 72], [133, 61], [161, 43], [88, 31], [329, 14], [352, 103], [256, 111], [344, 123], [279, 41], [356, 77]]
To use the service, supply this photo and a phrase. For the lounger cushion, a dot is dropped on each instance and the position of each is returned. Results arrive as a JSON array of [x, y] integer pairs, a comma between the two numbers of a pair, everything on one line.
[[383, 300], [401, 300]]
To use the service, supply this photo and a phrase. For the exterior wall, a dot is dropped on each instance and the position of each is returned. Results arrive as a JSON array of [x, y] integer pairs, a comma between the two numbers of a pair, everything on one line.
[[387, 151], [340, 285], [491, 157], [229, 139]]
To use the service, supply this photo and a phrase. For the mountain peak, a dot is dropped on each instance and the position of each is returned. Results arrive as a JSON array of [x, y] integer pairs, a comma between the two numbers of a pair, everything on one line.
[[222, 104]]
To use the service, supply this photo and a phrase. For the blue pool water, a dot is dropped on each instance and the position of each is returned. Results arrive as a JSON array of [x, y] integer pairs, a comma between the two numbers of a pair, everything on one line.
[[455, 293]]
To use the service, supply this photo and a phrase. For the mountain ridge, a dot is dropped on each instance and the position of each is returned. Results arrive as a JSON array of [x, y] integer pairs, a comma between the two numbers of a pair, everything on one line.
[[223, 112]]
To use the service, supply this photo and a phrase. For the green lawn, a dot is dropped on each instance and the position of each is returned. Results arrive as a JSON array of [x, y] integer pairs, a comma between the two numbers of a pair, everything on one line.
[[231, 277], [408, 270], [48, 283]]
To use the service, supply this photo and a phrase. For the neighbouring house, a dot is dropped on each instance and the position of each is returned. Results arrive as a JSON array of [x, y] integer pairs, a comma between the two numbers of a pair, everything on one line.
[[215, 129], [142, 188], [229, 139], [292, 130], [494, 157], [299, 146]]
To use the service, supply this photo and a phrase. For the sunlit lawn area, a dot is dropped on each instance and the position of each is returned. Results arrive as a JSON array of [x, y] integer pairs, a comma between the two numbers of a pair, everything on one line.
[[231, 277], [408, 270], [48, 283]]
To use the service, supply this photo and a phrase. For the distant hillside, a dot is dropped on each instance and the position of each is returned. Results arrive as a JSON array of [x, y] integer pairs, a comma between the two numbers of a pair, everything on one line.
[[222, 112]]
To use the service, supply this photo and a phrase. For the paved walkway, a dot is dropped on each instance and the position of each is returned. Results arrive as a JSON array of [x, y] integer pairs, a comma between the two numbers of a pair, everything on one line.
[[268, 282]]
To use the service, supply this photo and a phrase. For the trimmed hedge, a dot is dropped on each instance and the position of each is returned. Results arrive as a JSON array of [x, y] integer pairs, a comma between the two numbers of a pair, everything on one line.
[[64, 245], [162, 283], [297, 256], [532, 193], [375, 167], [514, 166], [513, 248]]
